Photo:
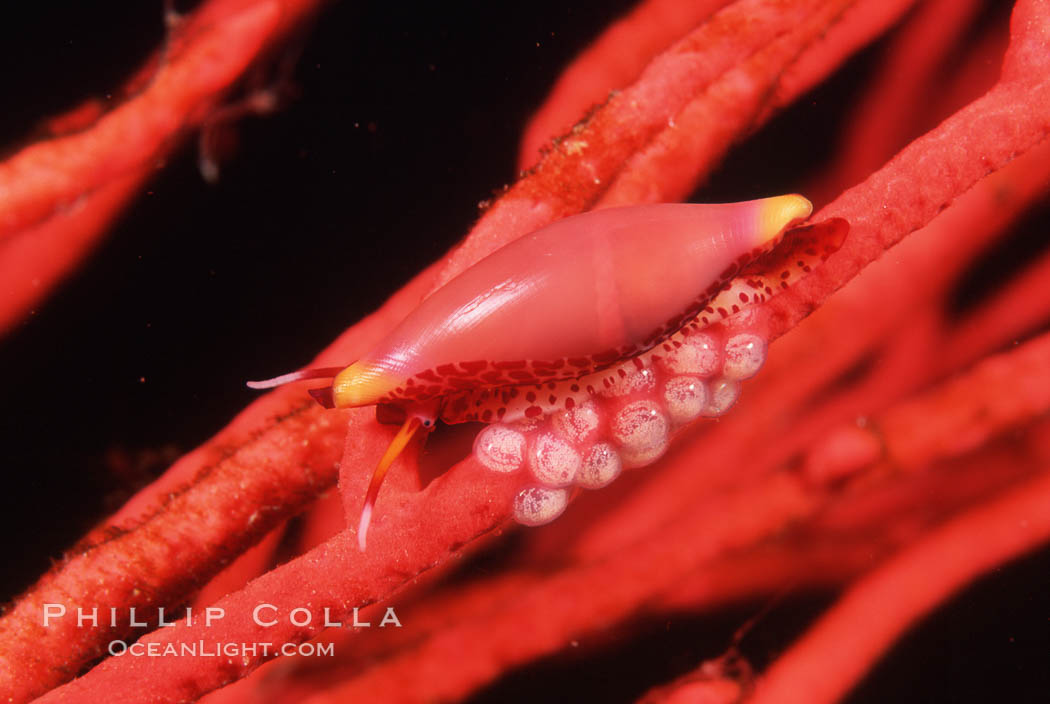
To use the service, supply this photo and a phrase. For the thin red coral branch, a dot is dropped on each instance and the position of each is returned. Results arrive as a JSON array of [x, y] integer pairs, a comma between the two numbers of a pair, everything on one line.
[[34, 259], [923, 179], [844, 644], [971, 410], [1003, 392], [581, 168], [889, 114], [612, 61], [58, 195], [682, 151]]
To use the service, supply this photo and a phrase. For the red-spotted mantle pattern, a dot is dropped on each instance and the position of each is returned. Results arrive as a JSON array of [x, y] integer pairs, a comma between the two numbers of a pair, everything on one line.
[[804, 249], [468, 389]]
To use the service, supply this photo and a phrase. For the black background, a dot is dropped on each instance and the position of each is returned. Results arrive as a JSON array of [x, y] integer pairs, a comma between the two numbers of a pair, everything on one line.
[[400, 119]]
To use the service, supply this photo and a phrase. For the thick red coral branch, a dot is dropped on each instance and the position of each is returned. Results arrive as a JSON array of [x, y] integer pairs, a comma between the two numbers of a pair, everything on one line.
[[171, 553], [268, 464], [331, 579], [538, 620]]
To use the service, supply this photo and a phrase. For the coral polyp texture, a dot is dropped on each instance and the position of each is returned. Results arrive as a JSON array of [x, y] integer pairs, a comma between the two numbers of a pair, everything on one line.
[[852, 404]]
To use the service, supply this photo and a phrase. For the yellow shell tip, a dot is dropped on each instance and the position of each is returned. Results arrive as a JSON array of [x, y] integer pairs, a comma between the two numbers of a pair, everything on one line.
[[363, 383], [777, 213]]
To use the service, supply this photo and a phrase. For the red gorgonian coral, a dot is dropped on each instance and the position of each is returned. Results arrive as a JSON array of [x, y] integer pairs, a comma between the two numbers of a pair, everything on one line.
[[893, 449]]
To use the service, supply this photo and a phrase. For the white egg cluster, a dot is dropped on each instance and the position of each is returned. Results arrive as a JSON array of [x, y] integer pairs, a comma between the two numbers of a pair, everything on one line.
[[626, 424]]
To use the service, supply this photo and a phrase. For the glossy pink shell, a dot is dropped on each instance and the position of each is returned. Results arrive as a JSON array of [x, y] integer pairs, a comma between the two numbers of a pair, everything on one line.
[[573, 297]]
